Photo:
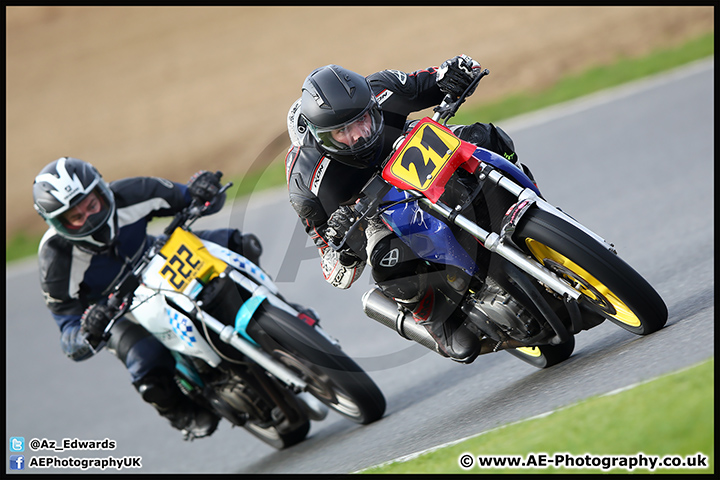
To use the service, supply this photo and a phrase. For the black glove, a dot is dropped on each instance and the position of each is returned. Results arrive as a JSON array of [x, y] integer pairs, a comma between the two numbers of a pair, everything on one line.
[[204, 186], [94, 321], [456, 74], [339, 223]]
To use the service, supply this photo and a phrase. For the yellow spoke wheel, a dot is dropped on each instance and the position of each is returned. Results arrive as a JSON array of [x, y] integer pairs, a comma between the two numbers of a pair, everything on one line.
[[610, 287], [596, 292]]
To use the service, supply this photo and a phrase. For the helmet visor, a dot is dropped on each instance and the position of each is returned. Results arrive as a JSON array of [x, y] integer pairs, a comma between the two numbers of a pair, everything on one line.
[[353, 136], [89, 215]]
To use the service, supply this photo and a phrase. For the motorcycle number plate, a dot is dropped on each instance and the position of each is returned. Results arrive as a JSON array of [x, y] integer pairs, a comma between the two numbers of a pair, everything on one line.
[[426, 159], [187, 259]]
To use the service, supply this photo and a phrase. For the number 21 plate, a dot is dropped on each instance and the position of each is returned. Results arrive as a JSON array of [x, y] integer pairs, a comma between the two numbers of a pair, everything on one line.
[[426, 159]]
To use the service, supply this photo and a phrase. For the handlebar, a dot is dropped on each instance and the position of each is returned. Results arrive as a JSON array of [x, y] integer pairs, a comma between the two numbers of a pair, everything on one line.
[[449, 106], [192, 212]]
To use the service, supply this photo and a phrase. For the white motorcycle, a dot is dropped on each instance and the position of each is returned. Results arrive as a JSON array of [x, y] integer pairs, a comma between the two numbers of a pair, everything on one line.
[[240, 348]]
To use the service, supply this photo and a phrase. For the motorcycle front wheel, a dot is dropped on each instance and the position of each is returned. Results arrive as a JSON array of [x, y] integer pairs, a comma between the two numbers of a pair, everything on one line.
[[609, 286], [332, 377]]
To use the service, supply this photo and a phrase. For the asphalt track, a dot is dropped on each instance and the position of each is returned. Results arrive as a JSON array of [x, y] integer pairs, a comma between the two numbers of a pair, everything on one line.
[[635, 164]]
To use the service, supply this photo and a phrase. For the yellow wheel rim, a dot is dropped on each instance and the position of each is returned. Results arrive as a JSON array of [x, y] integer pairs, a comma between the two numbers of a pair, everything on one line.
[[594, 290], [531, 351]]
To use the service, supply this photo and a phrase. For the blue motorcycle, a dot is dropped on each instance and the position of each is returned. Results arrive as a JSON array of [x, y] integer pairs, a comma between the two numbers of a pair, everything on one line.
[[537, 277]]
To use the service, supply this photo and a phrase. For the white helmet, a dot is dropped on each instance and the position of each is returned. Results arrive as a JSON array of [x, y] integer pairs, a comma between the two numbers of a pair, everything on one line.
[[63, 184]]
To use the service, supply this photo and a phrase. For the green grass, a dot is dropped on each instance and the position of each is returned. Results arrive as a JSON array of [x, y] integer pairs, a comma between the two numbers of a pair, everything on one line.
[[670, 415], [22, 245], [271, 176], [623, 70]]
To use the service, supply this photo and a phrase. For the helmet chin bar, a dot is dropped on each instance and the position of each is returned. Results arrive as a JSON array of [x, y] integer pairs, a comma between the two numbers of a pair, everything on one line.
[[361, 143], [361, 160]]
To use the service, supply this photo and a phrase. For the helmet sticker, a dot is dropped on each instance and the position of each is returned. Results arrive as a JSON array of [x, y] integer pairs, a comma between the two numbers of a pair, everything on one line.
[[65, 186]]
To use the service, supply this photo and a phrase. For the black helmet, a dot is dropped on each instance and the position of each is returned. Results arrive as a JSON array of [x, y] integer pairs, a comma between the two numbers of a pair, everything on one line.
[[62, 185], [333, 99]]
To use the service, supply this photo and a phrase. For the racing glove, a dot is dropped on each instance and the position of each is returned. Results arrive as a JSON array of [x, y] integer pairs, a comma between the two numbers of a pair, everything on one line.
[[94, 321], [456, 74], [337, 226], [338, 269], [339, 223], [204, 186]]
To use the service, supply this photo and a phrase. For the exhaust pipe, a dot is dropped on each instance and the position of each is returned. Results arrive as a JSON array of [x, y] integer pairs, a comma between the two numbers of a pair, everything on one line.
[[387, 312]]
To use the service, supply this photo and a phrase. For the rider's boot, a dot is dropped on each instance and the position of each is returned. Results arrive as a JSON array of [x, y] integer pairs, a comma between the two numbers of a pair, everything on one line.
[[161, 391], [437, 315]]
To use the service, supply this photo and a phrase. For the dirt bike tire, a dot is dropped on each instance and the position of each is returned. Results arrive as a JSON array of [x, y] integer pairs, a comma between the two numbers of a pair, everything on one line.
[[333, 377], [544, 356], [610, 287]]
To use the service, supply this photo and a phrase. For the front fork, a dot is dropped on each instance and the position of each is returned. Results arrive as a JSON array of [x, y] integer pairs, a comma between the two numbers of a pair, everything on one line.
[[496, 243]]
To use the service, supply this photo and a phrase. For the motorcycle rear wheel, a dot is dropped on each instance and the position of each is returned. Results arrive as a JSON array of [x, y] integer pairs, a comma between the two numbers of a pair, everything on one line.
[[333, 377], [609, 286], [544, 356], [274, 438]]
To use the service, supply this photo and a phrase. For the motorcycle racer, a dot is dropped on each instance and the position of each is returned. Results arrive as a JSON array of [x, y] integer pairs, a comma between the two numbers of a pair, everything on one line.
[[96, 231], [341, 128]]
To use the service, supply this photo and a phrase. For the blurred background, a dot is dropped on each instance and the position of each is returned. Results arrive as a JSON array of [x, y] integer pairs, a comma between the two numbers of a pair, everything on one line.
[[167, 91]]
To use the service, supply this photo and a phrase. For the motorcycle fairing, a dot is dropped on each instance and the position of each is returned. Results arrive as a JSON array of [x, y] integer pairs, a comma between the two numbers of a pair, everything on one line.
[[188, 261], [491, 158], [187, 370], [175, 330], [242, 264], [430, 238]]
